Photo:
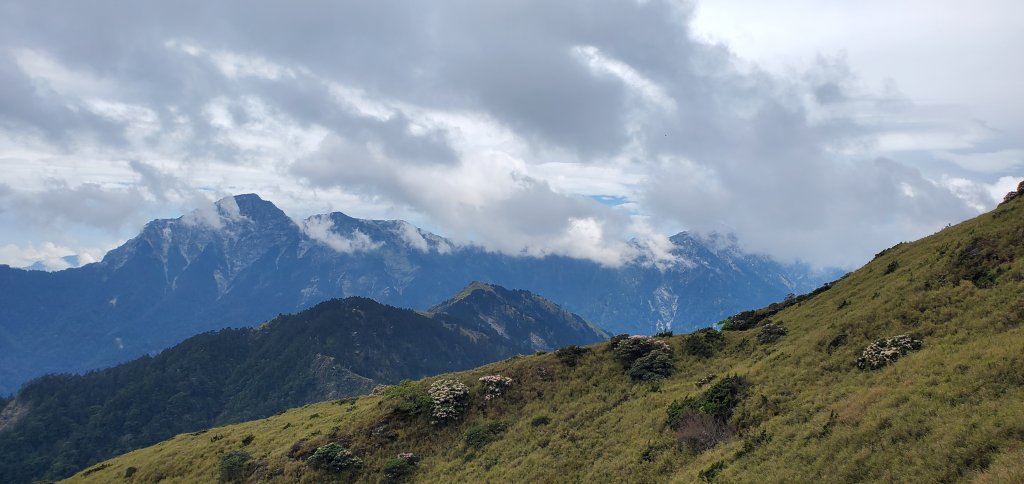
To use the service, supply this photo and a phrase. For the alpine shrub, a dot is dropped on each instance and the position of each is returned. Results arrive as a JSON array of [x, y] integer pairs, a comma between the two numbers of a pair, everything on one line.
[[644, 357], [400, 467], [770, 333], [407, 398], [886, 351], [448, 400], [483, 433], [541, 420], [495, 386], [570, 355], [652, 366], [709, 474], [630, 349], [334, 458], [234, 466], [703, 343], [702, 422]]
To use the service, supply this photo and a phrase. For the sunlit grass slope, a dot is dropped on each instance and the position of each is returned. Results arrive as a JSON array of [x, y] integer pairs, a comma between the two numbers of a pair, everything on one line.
[[952, 411]]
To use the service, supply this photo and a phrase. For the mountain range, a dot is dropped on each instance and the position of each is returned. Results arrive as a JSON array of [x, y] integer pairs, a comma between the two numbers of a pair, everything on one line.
[[243, 260], [906, 370], [58, 424]]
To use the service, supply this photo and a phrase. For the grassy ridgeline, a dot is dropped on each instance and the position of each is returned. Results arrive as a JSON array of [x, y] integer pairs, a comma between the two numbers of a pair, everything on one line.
[[951, 411]]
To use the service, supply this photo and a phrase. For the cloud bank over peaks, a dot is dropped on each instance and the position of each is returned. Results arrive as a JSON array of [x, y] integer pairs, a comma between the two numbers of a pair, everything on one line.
[[502, 125]]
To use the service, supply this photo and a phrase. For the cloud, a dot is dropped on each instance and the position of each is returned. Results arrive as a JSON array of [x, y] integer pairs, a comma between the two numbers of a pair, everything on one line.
[[321, 229], [501, 124], [49, 256]]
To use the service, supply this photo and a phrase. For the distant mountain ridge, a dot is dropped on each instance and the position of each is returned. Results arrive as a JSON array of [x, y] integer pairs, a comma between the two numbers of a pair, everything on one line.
[[521, 316], [58, 424], [906, 370], [243, 260]]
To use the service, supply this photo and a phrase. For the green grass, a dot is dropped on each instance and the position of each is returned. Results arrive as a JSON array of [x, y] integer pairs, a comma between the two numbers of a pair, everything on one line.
[[952, 411]]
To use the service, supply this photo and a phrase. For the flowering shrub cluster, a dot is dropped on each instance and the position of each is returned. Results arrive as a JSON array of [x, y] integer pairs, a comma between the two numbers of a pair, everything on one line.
[[334, 457], [771, 332], [495, 386], [448, 399], [886, 351], [644, 357]]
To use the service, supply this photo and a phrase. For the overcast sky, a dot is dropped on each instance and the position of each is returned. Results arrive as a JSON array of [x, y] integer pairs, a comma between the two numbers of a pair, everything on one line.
[[821, 131]]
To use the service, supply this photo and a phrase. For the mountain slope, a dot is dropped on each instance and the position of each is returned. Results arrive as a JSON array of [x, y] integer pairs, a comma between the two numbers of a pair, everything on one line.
[[520, 316], [243, 260], [61, 423], [787, 405]]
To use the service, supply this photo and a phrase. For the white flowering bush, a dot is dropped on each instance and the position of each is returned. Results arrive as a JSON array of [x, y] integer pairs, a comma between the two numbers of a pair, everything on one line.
[[448, 399], [495, 386], [887, 351]]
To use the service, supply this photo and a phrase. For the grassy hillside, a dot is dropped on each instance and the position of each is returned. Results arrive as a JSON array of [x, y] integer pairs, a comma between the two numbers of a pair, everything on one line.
[[788, 404]]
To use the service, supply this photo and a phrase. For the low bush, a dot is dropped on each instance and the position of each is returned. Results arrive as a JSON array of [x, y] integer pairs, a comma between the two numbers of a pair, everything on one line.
[[892, 267], [630, 349], [644, 357], [699, 432], [400, 467], [978, 262], [723, 397], [770, 333], [234, 466], [886, 351], [701, 422], [541, 420], [407, 399], [703, 343], [710, 377], [334, 458], [571, 355], [839, 340], [652, 366], [483, 433], [709, 474]]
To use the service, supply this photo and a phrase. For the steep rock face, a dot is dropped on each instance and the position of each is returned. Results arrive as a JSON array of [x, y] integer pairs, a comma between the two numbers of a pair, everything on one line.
[[243, 260]]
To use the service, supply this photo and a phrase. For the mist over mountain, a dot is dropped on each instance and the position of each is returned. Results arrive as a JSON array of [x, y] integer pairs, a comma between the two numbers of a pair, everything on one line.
[[243, 260]]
